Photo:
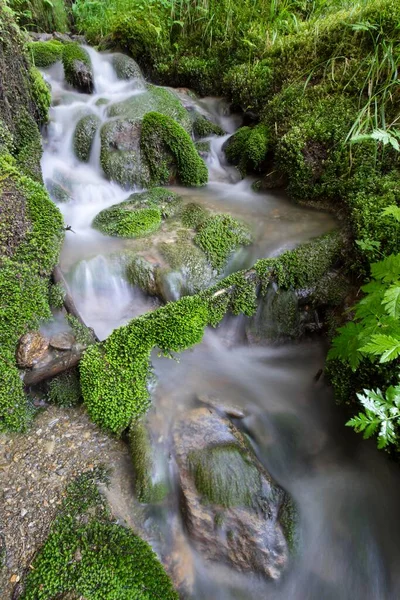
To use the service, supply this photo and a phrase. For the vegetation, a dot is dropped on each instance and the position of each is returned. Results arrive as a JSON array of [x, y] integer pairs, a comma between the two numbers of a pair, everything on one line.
[[65, 390], [86, 553], [219, 236], [74, 57], [39, 15], [84, 135], [45, 54], [146, 488]]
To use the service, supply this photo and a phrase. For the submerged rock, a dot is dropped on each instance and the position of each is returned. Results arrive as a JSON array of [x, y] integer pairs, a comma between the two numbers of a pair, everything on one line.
[[31, 348], [84, 135], [125, 67], [231, 505], [144, 274]]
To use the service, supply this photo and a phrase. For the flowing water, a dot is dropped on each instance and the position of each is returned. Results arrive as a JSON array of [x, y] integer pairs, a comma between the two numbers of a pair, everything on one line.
[[346, 493]]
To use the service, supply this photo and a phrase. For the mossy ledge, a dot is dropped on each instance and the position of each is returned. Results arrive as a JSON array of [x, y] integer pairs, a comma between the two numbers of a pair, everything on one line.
[[115, 373], [88, 554], [45, 54], [78, 68]]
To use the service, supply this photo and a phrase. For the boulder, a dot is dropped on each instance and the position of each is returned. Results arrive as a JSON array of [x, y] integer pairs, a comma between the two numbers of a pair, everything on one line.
[[125, 67], [31, 349], [144, 274], [78, 68], [231, 505], [84, 135], [190, 262], [62, 341]]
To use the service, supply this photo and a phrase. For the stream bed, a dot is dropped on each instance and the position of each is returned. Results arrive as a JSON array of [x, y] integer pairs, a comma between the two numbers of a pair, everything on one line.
[[347, 494]]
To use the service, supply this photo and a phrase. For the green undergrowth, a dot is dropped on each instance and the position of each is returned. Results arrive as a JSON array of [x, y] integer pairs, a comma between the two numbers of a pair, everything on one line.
[[116, 373], [219, 236], [248, 148], [65, 390], [164, 141], [45, 54], [38, 15], [88, 555]]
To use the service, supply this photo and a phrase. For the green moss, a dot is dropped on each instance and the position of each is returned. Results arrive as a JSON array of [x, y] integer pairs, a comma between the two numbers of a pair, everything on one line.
[[219, 236], [86, 554], [289, 519], [144, 274], [250, 85], [83, 335], [127, 222], [84, 135], [37, 15], [248, 148], [191, 262], [28, 146], [167, 146], [6, 140], [225, 475], [114, 375], [193, 215], [147, 490], [197, 73], [40, 95], [45, 54], [203, 127], [65, 390], [56, 295], [72, 56]]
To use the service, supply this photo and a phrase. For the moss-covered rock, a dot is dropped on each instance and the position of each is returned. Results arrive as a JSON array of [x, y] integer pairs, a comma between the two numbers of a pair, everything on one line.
[[147, 487], [57, 192], [183, 257], [145, 275], [219, 236], [170, 152], [248, 148], [193, 215], [125, 67], [45, 54], [41, 95], [203, 127], [78, 68], [65, 390], [140, 215], [41, 16], [84, 135], [85, 546], [28, 146]]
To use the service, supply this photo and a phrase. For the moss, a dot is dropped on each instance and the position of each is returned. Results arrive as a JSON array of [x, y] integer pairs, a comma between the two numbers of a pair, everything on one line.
[[140, 215], [83, 335], [144, 274], [219, 236], [147, 490], [37, 15], [250, 85], [87, 554], [28, 146], [114, 375], [225, 475], [203, 148], [167, 146], [248, 148], [197, 73], [40, 95], [84, 135], [45, 54], [191, 262], [125, 67], [155, 99], [289, 519], [203, 127], [75, 56], [65, 390], [56, 295], [193, 215]]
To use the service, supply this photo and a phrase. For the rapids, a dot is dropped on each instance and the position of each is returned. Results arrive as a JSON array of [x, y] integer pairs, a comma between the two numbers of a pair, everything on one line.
[[346, 492]]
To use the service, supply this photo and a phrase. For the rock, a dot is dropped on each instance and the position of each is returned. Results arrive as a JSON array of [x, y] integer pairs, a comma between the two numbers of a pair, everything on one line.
[[62, 341], [231, 411], [78, 68], [40, 37], [126, 68], [180, 562], [84, 135], [62, 37], [231, 505], [203, 127], [144, 274], [79, 39], [32, 347]]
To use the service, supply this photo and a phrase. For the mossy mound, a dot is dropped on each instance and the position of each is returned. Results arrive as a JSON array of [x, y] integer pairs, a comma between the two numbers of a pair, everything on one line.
[[78, 68], [28, 146], [226, 475], [170, 152], [203, 127], [193, 215], [140, 215], [125, 67], [86, 549], [84, 135], [248, 148], [41, 95], [155, 99], [219, 236], [188, 260], [145, 275], [146, 487], [65, 390], [45, 54], [41, 16]]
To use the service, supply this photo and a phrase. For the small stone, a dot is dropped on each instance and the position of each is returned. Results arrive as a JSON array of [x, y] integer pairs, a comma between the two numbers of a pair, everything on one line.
[[32, 347], [62, 341], [14, 578], [49, 446], [24, 512]]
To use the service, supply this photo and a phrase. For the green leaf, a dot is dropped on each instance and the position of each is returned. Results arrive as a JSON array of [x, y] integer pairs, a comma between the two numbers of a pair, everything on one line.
[[345, 346], [392, 211], [391, 301], [388, 269], [385, 346]]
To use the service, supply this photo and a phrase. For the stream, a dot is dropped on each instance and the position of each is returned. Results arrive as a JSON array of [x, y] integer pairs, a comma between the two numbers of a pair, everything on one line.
[[347, 494]]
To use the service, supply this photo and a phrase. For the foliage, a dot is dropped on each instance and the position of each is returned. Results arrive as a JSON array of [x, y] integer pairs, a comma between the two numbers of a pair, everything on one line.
[[82, 334], [163, 139], [84, 135], [56, 295], [219, 236], [193, 215], [41, 15], [203, 127], [86, 554], [45, 54], [64, 390], [248, 147]]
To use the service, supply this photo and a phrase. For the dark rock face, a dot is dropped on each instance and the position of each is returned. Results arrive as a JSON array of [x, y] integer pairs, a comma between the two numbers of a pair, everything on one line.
[[83, 77], [231, 504], [32, 347]]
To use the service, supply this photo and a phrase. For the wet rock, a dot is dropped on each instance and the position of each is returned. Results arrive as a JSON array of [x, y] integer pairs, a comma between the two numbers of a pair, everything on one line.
[[62, 37], [57, 192], [125, 67], [79, 39], [40, 37], [32, 347], [231, 504], [84, 135], [78, 68], [144, 274], [62, 341], [235, 412], [180, 562]]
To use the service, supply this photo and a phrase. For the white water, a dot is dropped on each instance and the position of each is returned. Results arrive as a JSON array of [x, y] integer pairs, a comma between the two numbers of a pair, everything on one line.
[[347, 494]]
